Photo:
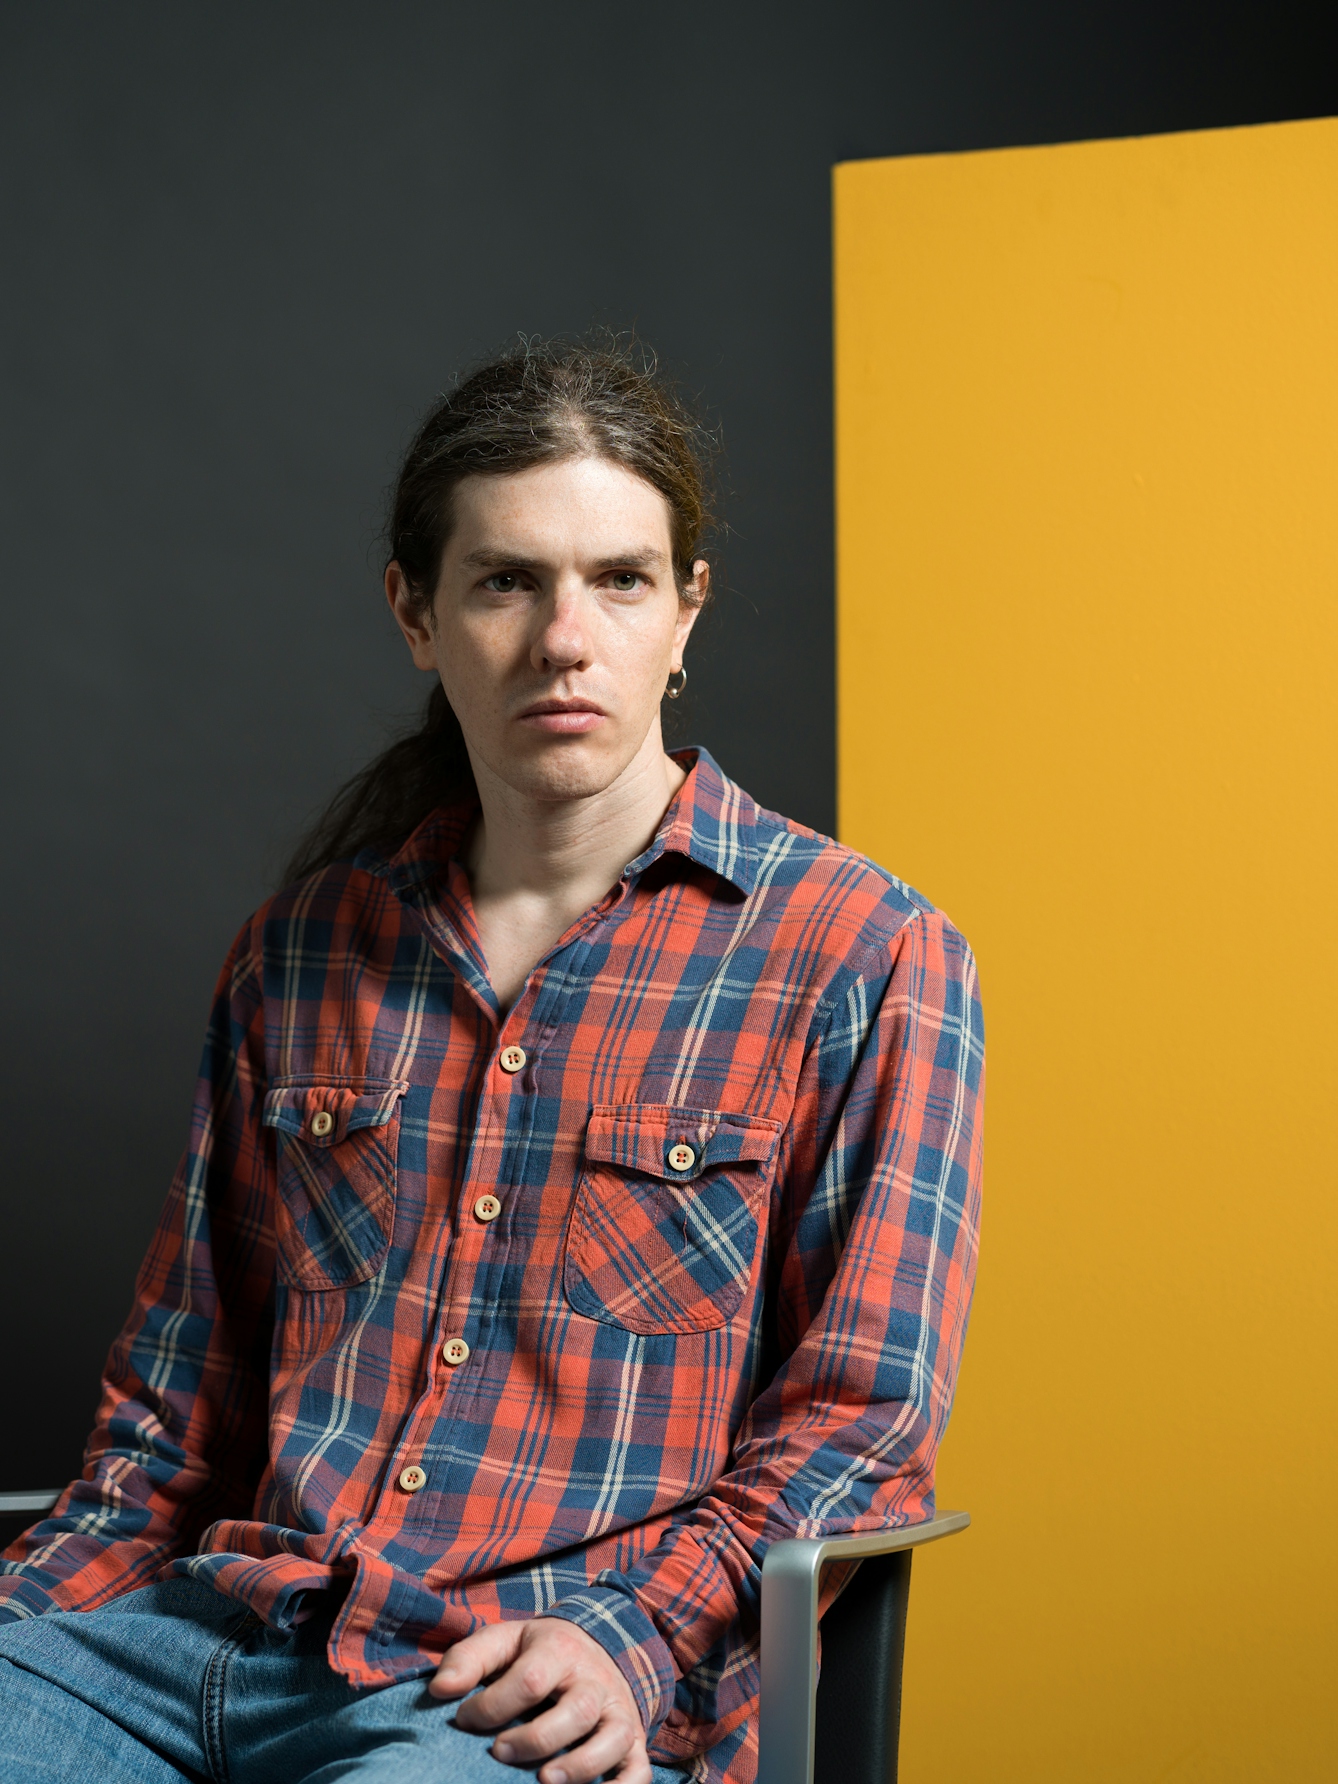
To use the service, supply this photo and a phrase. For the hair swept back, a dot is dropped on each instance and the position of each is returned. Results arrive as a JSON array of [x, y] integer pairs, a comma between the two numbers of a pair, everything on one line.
[[538, 403]]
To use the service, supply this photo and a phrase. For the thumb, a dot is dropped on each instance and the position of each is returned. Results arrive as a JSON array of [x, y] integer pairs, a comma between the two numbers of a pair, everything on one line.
[[467, 1663]]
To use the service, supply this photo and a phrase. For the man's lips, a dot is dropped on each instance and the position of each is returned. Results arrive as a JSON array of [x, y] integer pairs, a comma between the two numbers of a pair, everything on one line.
[[563, 718]]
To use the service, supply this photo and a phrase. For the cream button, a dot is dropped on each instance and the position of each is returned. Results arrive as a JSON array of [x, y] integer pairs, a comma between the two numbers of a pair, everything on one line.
[[512, 1059], [455, 1351], [681, 1157], [411, 1479], [487, 1208], [322, 1123]]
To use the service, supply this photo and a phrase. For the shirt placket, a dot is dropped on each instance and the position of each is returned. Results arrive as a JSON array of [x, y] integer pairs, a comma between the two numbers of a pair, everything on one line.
[[452, 1341], [485, 1185], [484, 1188]]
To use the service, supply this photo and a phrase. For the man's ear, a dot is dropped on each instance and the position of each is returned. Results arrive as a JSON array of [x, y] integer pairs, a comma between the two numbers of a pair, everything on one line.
[[691, 604], [409, 618]]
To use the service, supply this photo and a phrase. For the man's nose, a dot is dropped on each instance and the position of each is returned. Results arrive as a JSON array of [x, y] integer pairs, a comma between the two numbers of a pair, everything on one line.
[[562, 641]]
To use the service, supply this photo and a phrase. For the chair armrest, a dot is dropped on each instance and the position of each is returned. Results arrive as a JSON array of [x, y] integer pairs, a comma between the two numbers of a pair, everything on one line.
[[12, 1503], [790, 1577]]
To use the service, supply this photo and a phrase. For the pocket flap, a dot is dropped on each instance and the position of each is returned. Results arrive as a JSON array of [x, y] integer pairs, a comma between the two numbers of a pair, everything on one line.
[[640, 1137], [300, 1109]]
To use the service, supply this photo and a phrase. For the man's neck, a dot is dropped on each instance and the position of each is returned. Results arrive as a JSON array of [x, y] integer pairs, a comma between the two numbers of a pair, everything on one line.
[[537, 865]]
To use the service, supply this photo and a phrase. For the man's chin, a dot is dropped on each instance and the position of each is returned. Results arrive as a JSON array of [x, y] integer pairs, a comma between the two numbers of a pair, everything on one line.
[[564, 770]]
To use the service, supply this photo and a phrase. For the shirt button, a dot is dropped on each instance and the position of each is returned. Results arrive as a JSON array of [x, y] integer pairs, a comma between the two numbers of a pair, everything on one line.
[[681, 1157], [455, 1351], [411, 1479], [512, 1059], [322, 1123], [487, 1208]]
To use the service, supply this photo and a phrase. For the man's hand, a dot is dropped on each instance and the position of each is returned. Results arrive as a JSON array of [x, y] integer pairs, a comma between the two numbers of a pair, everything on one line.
[[595, 1714]]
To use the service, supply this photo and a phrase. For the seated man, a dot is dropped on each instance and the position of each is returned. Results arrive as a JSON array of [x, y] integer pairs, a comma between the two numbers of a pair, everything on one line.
[[581, 1196]]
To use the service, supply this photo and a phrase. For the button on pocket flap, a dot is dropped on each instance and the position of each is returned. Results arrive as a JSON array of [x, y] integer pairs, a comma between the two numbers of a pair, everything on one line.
[[665, 1234], [656, 1138], [325, 1114], [336, 1148]]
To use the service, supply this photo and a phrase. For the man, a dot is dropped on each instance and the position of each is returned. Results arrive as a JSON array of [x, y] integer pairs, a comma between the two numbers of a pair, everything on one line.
[[581, 1196]]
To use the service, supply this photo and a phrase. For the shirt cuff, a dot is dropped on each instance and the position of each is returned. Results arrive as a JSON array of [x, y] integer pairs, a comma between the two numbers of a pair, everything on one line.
[[620, 1626], [22, 1599]]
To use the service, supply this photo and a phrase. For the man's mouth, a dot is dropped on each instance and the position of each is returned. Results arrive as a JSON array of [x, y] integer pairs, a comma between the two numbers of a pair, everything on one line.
[[563, 718]]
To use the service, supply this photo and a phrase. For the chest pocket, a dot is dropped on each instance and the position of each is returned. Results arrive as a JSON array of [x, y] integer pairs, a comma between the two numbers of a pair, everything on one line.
[[337, 1145], [664, 1234]]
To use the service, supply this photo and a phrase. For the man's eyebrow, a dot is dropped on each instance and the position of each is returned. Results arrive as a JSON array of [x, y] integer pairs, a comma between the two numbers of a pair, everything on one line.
[[646, 559], [488, 557]]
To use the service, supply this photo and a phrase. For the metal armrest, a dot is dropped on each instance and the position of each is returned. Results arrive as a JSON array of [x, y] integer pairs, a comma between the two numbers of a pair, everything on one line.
[[13, 1503], [790, 1577]]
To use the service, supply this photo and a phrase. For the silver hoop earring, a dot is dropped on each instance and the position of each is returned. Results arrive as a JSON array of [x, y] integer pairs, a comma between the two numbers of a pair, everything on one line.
[[673, 693]]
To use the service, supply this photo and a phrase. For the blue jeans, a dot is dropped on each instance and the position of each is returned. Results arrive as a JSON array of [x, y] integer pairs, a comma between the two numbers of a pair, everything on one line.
[[177, 1682]]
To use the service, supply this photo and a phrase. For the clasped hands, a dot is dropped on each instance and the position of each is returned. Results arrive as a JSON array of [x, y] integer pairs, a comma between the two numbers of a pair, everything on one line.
[[594, 1716]]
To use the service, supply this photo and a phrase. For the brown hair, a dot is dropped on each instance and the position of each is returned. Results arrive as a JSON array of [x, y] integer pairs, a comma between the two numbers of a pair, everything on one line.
[[542, 402]]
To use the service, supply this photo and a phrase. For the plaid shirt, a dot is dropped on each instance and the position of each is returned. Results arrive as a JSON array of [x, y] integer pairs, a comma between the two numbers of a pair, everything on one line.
[[573, 1309]]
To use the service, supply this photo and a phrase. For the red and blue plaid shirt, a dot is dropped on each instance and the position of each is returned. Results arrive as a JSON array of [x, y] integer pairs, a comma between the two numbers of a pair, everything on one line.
[[573, 1309]]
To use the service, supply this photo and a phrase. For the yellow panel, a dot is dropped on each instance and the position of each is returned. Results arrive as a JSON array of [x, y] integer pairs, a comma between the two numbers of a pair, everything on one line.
[[1087, 422]]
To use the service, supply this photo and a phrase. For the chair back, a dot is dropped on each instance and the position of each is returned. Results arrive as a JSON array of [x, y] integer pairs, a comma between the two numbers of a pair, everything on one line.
[[859, 1689]]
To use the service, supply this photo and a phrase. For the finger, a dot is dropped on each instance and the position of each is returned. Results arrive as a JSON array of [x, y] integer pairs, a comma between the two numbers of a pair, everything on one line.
[[469, 1661], [534, 1674], [579, 1710], [635, 1769], [614, 1746]]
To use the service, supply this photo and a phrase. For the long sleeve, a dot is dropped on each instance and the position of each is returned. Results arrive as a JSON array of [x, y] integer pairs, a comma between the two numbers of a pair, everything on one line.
[[179, 1437], [433, 1316], [872, 1266]]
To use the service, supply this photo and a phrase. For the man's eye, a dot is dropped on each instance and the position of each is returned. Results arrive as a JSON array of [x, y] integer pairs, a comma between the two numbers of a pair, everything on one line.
[[625, 581], [503, 583]]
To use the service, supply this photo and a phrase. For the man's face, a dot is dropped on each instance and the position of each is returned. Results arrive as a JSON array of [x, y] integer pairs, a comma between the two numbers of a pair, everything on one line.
[[556, 624]]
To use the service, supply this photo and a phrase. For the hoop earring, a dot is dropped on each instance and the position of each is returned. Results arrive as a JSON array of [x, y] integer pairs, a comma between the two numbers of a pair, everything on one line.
[[673, 693]]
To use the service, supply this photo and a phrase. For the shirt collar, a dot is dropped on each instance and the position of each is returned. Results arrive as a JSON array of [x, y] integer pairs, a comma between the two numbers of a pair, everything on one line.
[[711, 821], [425, 854]]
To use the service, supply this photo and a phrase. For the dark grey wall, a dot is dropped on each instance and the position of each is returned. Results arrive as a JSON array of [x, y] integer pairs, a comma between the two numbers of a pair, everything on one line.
[[243, 246]]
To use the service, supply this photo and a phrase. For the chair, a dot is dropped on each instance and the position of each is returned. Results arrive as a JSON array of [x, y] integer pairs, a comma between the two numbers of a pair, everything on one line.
[[18, 1510], [843, 1730]]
